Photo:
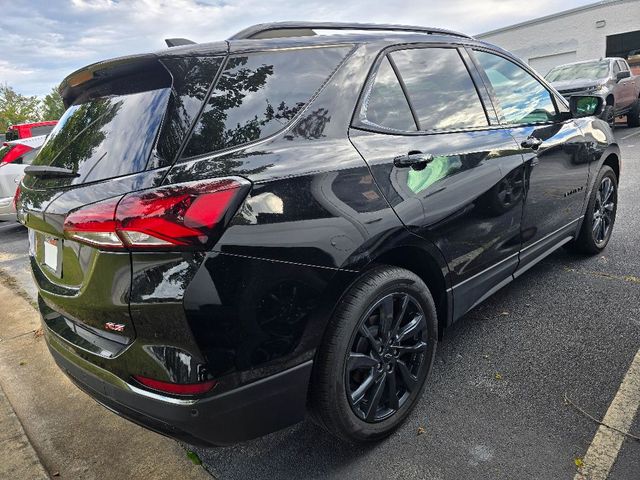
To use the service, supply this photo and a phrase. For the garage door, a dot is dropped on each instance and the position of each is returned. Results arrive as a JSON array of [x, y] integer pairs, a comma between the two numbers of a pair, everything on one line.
[[543, 64], [626, 45]]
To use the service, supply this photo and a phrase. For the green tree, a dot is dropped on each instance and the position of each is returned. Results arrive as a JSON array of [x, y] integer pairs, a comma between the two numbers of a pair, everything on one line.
[[17, 108], [52, 105]]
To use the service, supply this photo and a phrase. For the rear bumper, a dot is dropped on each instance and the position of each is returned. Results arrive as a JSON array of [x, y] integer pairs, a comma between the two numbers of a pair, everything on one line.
[[241, 414]]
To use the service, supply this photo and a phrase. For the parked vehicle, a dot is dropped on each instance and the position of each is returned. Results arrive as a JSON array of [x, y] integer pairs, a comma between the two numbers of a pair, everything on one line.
[[12, 151], [20, 154], [296, 218], [633, 59], [608, 78], [32, 129]]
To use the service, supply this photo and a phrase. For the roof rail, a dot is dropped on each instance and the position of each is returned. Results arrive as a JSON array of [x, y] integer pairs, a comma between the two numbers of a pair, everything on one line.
[[278, 29]]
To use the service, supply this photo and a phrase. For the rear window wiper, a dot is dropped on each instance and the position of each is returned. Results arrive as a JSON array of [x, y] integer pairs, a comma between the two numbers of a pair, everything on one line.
[[43, 171]]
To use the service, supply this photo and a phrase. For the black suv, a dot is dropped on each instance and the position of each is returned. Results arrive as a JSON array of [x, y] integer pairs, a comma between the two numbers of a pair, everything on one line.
[[227, 235]]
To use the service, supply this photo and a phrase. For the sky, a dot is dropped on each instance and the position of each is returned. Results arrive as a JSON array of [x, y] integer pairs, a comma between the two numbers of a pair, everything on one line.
[[42, 41]]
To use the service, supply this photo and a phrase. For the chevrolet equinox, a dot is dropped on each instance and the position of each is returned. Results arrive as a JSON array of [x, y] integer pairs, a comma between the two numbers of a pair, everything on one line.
[[228, 235]]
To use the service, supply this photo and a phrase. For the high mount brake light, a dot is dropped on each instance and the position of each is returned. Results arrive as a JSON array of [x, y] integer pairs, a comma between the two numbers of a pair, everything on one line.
[[185, 215]]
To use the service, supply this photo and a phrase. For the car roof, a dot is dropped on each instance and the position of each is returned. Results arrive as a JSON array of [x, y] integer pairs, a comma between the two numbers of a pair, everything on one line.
[[300, 34], [266, 37]]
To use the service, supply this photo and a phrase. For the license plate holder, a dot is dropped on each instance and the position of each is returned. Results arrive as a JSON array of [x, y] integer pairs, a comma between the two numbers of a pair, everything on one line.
[[51, 253]]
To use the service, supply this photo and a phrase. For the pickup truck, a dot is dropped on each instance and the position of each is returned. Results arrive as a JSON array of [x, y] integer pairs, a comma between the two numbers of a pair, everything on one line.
[[609, 78]]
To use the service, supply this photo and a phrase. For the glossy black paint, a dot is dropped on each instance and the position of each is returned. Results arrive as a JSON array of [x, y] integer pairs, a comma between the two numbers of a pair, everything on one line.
[[327, 202]]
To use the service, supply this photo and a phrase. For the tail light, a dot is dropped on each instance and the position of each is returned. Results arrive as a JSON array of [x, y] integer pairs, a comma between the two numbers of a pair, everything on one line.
[[186, 215], [176, 388]]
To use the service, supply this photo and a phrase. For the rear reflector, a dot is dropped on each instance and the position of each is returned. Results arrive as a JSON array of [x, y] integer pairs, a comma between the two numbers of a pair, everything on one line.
[[176, 388], [186, 215]]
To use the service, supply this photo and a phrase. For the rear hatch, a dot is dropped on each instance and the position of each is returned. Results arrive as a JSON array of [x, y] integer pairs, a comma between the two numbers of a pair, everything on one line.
[[125, 121]]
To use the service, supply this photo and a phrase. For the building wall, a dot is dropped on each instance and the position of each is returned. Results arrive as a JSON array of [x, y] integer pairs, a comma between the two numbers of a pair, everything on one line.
[[567, 37]]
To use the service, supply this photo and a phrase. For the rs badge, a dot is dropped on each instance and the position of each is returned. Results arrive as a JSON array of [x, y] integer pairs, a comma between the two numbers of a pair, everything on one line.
[[116, 327]]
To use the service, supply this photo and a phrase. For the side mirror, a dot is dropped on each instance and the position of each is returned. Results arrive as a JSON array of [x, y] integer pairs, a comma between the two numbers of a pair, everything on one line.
[[622, 75], [585, 106]]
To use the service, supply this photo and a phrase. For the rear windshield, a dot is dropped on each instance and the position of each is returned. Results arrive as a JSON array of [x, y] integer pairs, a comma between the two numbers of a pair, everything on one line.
[[258, 94], [108, 132]]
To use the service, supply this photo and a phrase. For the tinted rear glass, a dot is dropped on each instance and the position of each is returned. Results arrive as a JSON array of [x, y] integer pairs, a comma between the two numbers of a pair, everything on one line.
[[258, 94], [386, 104], [440, 88], [108, 132], [192, 77]]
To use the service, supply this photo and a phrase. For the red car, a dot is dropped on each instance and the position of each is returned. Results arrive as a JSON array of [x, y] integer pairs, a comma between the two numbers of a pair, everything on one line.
[[25, 130], [10, 153]]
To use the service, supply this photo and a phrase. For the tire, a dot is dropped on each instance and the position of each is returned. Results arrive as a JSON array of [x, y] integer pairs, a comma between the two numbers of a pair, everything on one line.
[[608, 115], [349, 370], [587, 241], [633, 117]]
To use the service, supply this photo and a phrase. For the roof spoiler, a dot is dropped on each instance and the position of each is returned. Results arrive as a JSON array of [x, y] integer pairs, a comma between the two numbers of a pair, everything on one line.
[[99, 72], [178, 42]]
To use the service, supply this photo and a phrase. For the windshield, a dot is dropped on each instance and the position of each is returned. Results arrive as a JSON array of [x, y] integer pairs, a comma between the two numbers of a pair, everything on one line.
[[579, 71]]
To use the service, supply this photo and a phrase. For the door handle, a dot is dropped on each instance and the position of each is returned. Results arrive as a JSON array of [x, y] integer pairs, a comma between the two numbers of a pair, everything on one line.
[[413, 159], [531, 142]]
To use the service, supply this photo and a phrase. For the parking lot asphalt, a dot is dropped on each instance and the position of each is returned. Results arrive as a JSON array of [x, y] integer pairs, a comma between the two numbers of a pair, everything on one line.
[[494, 406]]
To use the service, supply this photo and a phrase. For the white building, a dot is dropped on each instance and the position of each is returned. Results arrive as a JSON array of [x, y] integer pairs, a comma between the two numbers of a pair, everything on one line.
[[605, 29]]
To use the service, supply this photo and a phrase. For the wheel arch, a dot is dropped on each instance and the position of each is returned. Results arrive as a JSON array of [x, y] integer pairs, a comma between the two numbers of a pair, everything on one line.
[[613, 161], [423, 263]]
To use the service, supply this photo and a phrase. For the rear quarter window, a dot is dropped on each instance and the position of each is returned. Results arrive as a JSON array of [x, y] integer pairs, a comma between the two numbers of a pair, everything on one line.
[[259, 93]]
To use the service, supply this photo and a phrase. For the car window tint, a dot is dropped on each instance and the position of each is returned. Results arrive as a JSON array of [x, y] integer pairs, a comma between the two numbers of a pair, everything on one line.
[[616, 68], [440, 88], [385, 104], [258, 94], [192, 78], [521, 98]]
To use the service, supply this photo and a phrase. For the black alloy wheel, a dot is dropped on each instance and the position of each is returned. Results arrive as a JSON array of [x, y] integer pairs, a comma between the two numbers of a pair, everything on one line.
[[371, 368], [386, 357], [600, 214], [603, 211]]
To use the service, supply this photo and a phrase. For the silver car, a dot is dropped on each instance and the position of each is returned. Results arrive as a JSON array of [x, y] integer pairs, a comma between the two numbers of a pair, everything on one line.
[[11, 173]]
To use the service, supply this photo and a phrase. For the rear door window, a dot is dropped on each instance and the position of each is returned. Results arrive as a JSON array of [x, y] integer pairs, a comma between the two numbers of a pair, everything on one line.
[[258, 94], [440, 88]]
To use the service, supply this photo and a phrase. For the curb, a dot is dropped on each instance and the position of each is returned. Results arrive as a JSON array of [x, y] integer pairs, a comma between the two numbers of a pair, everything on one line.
[[18, 459]]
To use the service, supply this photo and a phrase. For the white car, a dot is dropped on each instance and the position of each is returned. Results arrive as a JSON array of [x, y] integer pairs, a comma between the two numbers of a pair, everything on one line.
[[11, 173]]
